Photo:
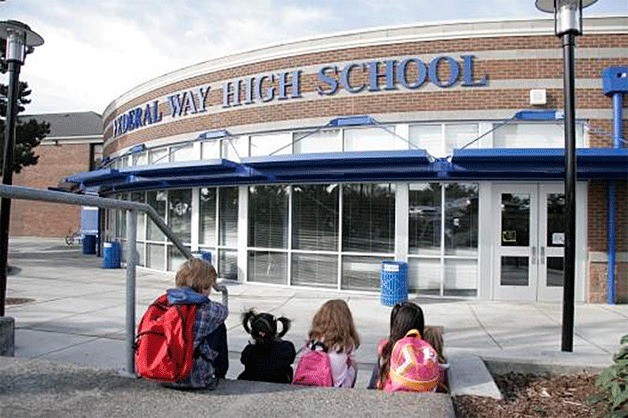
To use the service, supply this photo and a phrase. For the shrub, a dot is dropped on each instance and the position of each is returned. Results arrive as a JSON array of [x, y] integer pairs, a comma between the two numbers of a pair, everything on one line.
[[613, 383]]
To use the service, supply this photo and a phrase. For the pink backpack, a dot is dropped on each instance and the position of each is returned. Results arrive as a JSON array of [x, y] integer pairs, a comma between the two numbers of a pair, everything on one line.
[[414, 365], [314, 368]]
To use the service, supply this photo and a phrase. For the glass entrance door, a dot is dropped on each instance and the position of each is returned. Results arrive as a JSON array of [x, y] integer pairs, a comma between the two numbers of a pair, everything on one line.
[[515, 260], [529, 242]]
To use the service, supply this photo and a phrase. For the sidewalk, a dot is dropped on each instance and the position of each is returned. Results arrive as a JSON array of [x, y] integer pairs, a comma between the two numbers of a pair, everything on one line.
[[74, 313]]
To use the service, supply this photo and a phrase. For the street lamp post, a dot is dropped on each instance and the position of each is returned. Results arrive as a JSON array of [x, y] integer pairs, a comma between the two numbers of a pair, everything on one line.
[[568, 25], [19, 37]]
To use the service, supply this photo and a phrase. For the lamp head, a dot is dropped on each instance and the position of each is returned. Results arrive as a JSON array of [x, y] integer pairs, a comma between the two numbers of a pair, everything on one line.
[[567, 14], [19, 38]]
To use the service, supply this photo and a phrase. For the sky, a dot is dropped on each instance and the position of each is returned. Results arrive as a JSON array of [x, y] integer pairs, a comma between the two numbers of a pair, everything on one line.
[[95, 51]]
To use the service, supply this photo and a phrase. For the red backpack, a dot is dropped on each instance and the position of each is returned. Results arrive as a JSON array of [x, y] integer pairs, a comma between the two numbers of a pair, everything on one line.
[[164, 346], [314, 368]]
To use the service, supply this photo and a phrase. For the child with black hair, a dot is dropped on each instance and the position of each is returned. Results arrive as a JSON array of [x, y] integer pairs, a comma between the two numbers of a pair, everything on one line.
[[268, 358]]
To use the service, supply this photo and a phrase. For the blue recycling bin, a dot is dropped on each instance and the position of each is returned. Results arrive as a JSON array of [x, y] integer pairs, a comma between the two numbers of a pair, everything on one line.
[[89, 244], [205, 255], [394, 282], [111, 255]]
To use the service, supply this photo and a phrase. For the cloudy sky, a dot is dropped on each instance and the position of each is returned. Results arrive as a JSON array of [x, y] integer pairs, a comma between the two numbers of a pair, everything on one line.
[[95, 51]]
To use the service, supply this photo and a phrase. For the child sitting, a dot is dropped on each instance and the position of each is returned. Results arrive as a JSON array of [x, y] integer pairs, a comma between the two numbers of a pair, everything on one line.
[[334, 330], [268, 358], [413, 366], [434, 337], [194, 281]]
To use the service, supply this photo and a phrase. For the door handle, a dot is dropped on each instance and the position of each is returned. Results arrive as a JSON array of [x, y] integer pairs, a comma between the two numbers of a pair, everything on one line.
[[533, 255], [542, 260]]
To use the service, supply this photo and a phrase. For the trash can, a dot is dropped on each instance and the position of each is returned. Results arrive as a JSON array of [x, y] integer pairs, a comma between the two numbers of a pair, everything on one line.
[[205, 255], [394, 282], [111, 255], [89, 244]]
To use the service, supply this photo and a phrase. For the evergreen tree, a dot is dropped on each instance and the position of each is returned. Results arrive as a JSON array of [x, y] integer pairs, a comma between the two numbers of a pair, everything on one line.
[[28, 133]]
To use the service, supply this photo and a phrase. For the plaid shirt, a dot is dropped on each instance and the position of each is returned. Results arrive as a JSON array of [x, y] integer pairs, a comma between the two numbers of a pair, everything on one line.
[[209, 316]]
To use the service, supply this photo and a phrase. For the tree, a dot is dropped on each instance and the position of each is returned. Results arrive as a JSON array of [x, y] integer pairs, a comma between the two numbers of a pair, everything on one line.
[[28, 133]]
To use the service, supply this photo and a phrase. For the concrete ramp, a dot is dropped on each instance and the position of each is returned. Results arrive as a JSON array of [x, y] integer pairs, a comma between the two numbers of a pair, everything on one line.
[[41, 388], [468, 375]]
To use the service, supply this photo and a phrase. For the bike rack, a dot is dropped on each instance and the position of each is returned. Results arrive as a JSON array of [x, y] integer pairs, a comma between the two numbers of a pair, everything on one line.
[[132, 209]]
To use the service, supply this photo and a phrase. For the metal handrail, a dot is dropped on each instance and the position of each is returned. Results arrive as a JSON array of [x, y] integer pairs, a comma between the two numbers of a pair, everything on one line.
[[132, 208]]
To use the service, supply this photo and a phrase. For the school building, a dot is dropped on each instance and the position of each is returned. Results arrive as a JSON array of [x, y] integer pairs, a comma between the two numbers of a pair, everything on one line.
[[308, 163]]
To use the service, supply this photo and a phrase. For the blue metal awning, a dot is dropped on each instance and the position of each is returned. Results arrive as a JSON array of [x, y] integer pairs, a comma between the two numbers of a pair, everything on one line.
[[349, 166], [410, 165], [537, 164]]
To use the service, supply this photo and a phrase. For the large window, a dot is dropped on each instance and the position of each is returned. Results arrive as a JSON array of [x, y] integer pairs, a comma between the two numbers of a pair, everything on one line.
[[373, 139], [534, 135], [180, 213], [207, 216], [315, 217], [271, 144], [443, 238], [319, 141], [368, 221], [440, 140]]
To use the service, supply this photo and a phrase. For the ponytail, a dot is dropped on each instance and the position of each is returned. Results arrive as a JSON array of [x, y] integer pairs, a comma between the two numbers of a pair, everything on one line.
[[246, 320], [285, 326]]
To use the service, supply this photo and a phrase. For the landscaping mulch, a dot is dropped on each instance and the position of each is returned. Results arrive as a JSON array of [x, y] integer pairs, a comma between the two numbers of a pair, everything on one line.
[[535, 396]]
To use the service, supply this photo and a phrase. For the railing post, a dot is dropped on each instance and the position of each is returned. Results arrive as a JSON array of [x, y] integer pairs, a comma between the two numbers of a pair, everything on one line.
[[131, 261]]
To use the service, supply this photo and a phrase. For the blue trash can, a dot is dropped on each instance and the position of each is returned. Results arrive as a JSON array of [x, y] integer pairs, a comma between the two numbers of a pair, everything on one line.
[[205, 255], [111, 255], [89, 244], [394, 282]]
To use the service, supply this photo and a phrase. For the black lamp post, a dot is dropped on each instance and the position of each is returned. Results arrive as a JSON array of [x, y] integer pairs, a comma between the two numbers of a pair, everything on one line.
[[19, 37], [568, 25]]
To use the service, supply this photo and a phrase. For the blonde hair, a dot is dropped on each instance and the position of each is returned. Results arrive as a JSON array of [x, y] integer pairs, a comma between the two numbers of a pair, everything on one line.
[[434, 337], [333, 326], [197, 274]]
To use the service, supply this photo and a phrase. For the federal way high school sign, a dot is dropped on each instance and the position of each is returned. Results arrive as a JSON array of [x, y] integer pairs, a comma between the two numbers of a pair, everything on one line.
[[408, 74]]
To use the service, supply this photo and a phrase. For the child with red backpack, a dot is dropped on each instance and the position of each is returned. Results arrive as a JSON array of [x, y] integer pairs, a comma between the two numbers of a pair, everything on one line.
[[268, 358], [406, 362], [182, 338], [327, 358]]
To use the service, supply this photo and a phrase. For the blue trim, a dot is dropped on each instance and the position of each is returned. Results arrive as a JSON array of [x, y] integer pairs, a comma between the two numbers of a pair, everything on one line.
[[220, 133], [351, 121], [407, 165], [537, 115]]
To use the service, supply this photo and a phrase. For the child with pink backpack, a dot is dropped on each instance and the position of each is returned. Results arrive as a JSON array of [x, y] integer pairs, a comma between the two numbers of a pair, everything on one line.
[[327, 357], [406, 362]]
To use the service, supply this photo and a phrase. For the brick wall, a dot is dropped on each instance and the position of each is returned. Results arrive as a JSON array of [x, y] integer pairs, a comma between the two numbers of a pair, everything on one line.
[[30, 218]]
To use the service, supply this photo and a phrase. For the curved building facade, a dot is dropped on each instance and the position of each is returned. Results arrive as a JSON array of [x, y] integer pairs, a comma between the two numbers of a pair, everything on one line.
[[309, 163]]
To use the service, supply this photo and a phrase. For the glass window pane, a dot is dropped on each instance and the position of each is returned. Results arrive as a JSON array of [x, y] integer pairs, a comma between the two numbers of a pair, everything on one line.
[[155, 258], [140, 254], [158, 156], [424, 276], [514, 271], [140, 158], [429, 138], [534, 135], [228, 264], [459, 135], [175, 258], [157, 200], [235, 148], [276, 144], [368, 217], [180, 213], [461, 219], [515, 220], [372, 139], [361, 273], [315, 270], [555, 276], [268, 267], [424, 218], [321, 141], [461, 277], [210, 150], [207, 216], [183, 153], [315, 217], [555, 220], [268, 216], [141, 217], [228, 216]]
